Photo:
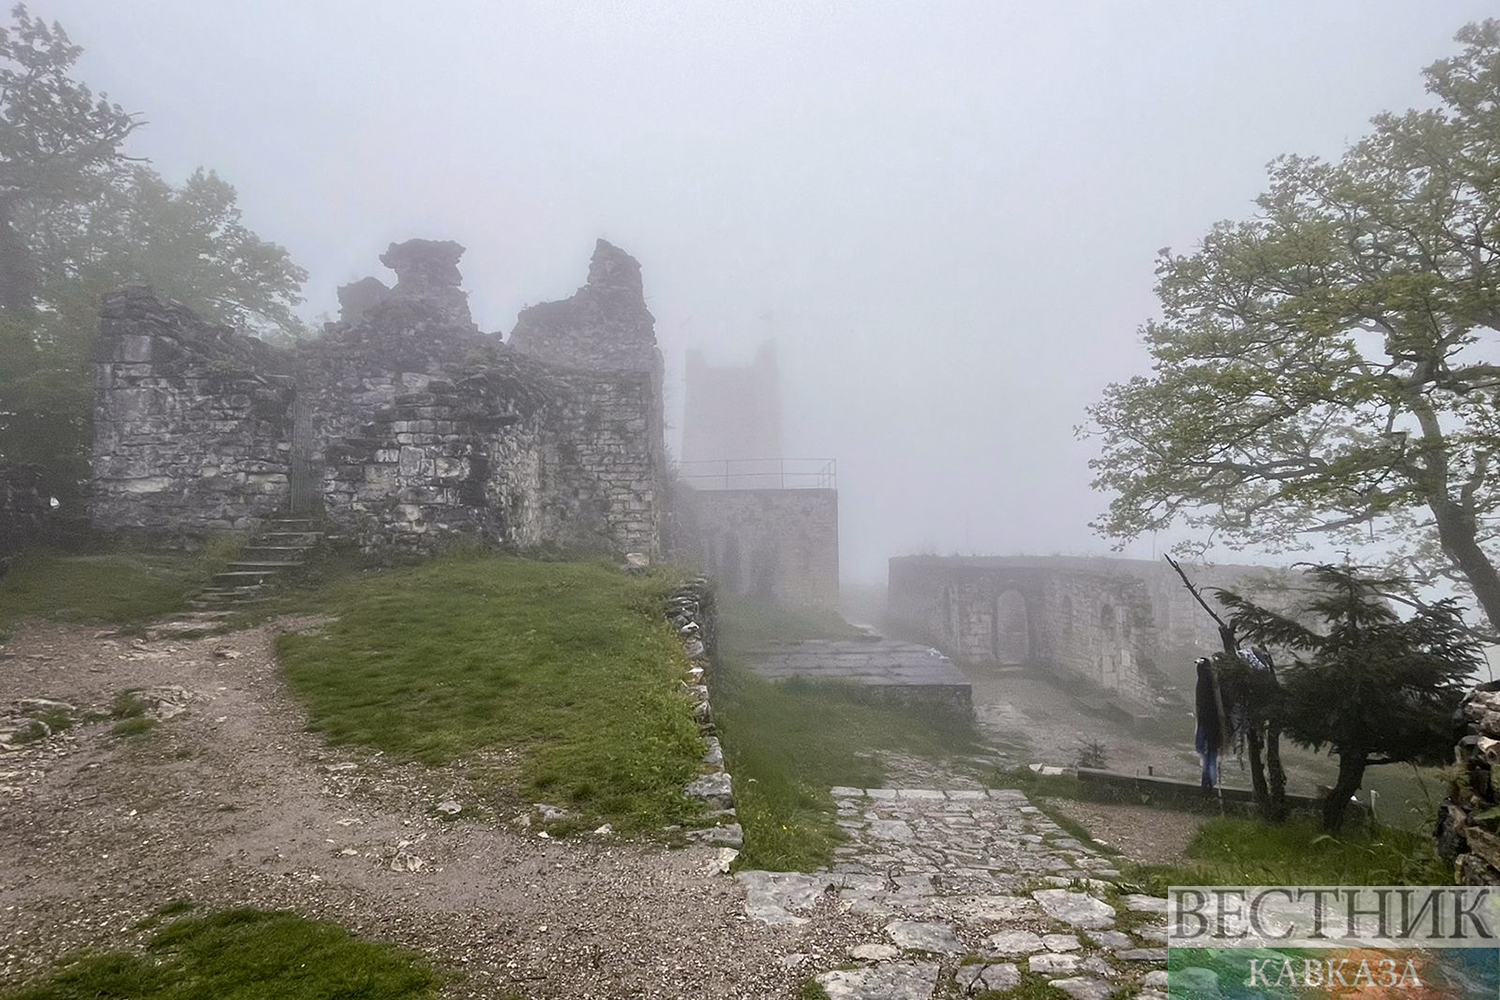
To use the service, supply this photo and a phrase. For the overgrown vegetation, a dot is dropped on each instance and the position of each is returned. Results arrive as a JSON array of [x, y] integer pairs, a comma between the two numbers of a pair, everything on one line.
[[243, 955], [114, 589], [788, 743], [1235, 851], [1320, 370], [78, 218], [570, 666], [1373, 688]]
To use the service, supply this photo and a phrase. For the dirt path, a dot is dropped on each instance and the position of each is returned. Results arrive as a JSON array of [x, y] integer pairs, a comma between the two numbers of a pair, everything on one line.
[[232, 804]]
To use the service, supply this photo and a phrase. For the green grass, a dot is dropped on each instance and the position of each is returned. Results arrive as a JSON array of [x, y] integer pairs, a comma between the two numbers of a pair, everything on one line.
[[1234, 851], [746, 624], [569, 664], [118, 589], [139, 726], [788, 743], [244, 955]]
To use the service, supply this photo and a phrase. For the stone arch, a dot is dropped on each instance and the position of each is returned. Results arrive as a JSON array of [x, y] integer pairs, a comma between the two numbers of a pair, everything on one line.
[[1107, 619], [1010, 634]]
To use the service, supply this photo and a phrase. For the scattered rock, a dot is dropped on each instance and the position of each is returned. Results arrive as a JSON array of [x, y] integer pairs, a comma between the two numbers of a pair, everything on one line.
[[874, 952], [1060, 942], [449, 808]]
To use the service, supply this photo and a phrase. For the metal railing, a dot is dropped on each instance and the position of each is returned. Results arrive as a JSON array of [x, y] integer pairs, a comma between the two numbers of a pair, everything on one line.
[[760, 474]]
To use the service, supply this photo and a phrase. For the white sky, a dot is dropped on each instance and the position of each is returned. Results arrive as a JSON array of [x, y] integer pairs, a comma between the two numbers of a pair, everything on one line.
[[950, 209]]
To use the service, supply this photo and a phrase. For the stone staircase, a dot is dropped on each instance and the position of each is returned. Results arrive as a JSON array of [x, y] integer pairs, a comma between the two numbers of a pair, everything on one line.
[[282, 545]]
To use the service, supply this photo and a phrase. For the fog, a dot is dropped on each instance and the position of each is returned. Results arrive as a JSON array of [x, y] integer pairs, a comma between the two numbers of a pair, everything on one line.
[[945, 213]]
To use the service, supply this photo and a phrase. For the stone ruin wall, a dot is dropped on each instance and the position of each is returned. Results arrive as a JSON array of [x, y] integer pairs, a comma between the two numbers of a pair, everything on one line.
[[780, 546], [401, 424], [1090, 624], [192, 423]]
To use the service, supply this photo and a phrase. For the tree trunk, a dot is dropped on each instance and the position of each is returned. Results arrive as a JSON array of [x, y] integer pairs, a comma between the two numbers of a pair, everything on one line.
[[1275, 774], [1351, 776], [1258, 772], [1458, 533], [17, 284]]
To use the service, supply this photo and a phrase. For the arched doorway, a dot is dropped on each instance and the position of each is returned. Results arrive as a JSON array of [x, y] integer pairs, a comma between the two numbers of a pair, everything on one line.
[[1011, 630]]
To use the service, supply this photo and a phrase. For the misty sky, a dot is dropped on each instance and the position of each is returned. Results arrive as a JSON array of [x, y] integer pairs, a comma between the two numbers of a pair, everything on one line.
[[949, 210]]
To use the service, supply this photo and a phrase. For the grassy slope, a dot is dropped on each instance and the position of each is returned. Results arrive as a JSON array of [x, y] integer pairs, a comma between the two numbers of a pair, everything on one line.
[[244, 955], [118, 589], [1229, 851], [571, 663], [787, 744]]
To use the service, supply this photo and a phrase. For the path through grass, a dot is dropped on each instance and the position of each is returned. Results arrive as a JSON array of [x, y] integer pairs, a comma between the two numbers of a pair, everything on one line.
[[788, 743], [244, 955], [570, 664]]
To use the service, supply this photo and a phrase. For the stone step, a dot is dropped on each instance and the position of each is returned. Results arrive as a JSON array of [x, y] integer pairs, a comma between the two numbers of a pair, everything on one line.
[[264, 564], [288, 524], [299, 539], [239, 577]]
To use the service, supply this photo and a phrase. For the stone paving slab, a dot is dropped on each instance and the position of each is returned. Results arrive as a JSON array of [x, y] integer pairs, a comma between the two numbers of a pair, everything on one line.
[[972, 874], [874, 662]]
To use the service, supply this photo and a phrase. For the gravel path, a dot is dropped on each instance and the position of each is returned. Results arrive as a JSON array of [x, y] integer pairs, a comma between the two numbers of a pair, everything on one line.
[[231, 803]]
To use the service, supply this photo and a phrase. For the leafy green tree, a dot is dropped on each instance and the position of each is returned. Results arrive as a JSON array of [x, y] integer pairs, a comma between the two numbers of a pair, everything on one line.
[[1328, 369], [1370, 686], [59, 144], [78, 219], [188, 243]]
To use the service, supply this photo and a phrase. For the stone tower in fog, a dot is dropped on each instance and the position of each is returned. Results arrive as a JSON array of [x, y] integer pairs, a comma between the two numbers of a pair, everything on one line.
[[732, 412]]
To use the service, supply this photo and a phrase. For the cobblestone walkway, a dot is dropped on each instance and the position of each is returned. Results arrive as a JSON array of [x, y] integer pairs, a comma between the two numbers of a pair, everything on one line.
[[971, 890]]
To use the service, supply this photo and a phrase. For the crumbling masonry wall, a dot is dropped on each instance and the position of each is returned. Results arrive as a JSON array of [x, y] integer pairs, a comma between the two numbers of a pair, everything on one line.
[[1087, 623], [192, 423], [401, 425]]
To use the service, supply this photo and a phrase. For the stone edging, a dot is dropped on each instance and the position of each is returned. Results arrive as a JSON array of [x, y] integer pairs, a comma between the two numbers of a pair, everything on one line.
[[1474, 850], [690, 611]]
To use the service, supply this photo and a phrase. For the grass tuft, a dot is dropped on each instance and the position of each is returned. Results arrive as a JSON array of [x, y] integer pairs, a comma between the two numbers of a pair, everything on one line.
[[569, 664], [138, 726], [244, 955]]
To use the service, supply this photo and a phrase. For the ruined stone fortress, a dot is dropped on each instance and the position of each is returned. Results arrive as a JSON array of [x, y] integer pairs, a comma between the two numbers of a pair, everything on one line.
[[1115, 623], [402, 425]]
